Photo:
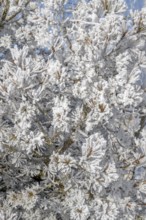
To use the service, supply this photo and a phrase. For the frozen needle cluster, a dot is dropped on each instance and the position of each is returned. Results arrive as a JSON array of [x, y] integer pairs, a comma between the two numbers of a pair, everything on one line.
[[72, 110]]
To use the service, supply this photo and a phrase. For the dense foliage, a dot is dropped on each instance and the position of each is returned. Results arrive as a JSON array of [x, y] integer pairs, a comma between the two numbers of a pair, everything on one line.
[[72, 110]]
